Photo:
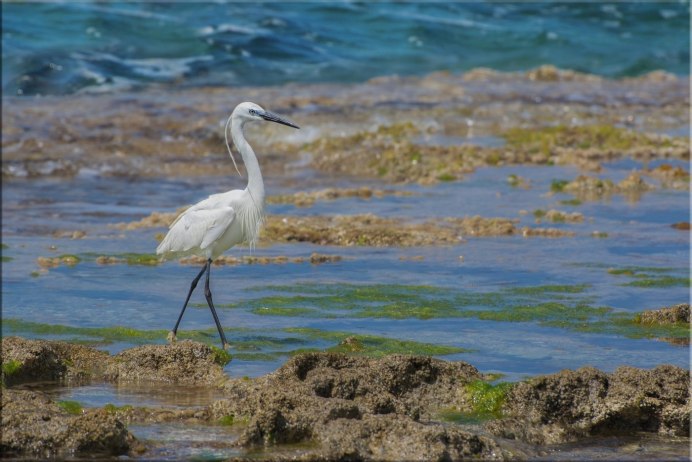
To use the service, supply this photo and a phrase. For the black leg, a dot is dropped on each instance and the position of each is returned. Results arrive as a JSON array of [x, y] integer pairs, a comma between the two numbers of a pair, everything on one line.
[[207, 295], [171, 335]]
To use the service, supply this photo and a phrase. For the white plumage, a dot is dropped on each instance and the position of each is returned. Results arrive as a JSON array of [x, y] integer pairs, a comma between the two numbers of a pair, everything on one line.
[[214, 225], [219, 222]]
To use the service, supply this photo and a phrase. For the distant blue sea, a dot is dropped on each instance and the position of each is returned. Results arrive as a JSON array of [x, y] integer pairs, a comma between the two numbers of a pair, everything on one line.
[[63, 48]]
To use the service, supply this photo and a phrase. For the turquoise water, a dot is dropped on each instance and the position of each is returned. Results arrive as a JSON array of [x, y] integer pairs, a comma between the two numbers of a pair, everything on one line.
[[62, 48]]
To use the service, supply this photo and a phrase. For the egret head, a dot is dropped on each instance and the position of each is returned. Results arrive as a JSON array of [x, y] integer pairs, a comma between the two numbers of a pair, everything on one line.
[[251, 111], [248, 112]]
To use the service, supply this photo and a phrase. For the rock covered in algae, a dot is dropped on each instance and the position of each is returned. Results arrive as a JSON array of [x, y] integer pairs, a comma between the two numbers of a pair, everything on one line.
[[26, 360], [359, 408], [674, 177], [308, 198], [185, 363], [587, 402], [593, 188], [671, 315], [35, 426]]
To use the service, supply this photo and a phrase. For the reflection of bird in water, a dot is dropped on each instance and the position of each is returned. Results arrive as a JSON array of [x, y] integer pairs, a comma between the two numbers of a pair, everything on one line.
[[223, 220]]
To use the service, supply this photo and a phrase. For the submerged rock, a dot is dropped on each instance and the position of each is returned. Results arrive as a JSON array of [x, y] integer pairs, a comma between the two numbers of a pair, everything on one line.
[[587, 402], [35, 426], [358, 408], [185, 363], [592, 188]]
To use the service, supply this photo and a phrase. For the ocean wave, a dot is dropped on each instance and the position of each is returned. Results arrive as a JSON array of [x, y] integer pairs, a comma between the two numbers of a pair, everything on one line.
[[69, 47]]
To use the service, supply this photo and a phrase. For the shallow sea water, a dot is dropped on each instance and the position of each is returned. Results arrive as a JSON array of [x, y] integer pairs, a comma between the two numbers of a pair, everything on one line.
[[149, 297]]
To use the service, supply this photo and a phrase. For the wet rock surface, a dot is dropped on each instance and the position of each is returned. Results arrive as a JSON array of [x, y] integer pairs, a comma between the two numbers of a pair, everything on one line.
[[183, 362], [308, 198], [357, 408], [150, 134], [587, 402], [314, 258], [679, 313], [33, 425], [26, 360], [371, 230], [332, 406]]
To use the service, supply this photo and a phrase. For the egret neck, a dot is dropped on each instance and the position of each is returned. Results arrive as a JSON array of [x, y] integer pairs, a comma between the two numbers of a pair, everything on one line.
[[255, 184]]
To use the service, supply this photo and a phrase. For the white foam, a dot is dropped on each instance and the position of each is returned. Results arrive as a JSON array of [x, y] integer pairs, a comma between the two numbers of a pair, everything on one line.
[[221, 28]]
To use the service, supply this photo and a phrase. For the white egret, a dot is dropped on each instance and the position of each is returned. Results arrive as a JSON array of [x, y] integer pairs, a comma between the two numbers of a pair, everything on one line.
[[217, 223]]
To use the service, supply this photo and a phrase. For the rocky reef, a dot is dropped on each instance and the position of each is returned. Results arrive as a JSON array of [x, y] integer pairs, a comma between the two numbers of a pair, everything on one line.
[[333, 406]]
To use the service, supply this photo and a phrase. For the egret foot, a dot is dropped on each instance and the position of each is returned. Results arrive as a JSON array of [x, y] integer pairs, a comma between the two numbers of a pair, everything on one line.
[[171, 337], [226, 346]]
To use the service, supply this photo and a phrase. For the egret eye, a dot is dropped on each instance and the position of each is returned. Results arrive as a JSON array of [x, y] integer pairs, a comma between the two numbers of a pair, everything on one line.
[[253, 112]]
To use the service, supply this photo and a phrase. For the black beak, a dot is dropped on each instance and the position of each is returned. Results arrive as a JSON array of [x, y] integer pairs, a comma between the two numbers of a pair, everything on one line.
[[271, 117]]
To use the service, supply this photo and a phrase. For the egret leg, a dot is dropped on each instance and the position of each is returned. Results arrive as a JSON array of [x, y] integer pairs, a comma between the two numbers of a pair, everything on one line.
[[207, 295], [171, 335]]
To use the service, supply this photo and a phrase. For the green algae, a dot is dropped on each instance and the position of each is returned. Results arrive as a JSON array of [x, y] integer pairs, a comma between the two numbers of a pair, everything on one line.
[[252, 347], [395, 132], [405, 302], [445, 177], [131, 258], [539, 213], [112, 408], [550, 289], [566, 306], [543, 312], [378, 300], [71, 407], [637, 270], [221, 357], [286, 311], [573, 202], [487, 399], [660, 282], [493, 376], [147, 259], [11, 367], [456, 416], [428, 309], [227, 420], [601, 137], [6, 259], [372, 345], [644, 278], [626, 325], [69, 259], [268, 356], [257, 342], [558, 185], [104, 335]]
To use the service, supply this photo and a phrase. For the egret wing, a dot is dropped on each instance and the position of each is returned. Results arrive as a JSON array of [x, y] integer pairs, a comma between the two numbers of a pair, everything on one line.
[[197, 228], [212, 202]]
